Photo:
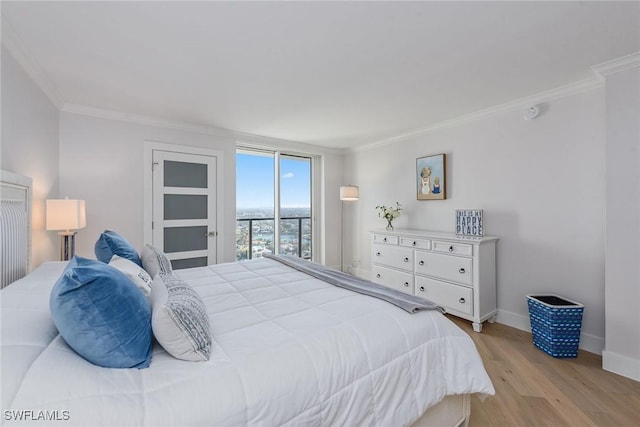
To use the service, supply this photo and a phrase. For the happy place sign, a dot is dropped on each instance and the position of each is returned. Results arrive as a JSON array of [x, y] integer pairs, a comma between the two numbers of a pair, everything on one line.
[[469, 223]]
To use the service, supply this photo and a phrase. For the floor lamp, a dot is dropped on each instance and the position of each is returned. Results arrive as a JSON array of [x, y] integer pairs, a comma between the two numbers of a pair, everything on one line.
[[66, 215], [348, 193]]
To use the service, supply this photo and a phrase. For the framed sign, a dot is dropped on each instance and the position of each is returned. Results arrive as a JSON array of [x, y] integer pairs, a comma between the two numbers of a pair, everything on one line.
[[430, 179], [469, 223]]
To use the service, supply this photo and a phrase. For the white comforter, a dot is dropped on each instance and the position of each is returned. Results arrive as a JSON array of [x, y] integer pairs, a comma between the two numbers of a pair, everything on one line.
[[289, 349]]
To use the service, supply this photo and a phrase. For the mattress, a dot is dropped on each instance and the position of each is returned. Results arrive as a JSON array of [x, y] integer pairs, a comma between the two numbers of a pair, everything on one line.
[[288, 349]]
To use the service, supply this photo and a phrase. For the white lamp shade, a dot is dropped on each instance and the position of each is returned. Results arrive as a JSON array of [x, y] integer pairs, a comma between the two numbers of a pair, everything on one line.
[[66, 214], [349, 192]]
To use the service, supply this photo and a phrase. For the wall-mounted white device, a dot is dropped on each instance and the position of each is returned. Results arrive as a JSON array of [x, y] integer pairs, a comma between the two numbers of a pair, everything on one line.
[[532, 112]]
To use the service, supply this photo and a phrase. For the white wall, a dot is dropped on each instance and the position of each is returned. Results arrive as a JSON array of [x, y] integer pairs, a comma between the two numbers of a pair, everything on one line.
[[333, 177], [540, 183], [101, 161], [622, 350], [30, 147]]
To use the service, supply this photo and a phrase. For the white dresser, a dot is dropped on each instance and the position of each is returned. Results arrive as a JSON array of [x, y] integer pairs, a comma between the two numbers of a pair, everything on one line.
[[458, 273]]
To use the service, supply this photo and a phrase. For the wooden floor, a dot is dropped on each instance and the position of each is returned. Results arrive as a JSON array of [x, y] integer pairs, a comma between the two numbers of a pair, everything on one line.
[[535, 389]]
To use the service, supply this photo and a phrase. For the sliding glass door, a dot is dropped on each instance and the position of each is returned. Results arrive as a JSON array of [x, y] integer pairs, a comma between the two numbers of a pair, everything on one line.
[[295, 206], [273, 204], [255, 208]]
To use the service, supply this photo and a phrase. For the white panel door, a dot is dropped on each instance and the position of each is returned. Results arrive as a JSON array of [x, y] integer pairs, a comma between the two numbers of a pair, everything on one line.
[[184, 208]]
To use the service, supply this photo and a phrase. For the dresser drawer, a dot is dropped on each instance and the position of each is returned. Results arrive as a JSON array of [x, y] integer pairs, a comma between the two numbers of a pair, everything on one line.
[[448, 267], [415, 243], [454, 297], [458, 273], [393, 256], [452, 248], [385, 239], [394, 279]]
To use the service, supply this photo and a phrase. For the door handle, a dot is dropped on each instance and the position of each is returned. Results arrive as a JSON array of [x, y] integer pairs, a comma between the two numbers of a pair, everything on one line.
[[211, 234]]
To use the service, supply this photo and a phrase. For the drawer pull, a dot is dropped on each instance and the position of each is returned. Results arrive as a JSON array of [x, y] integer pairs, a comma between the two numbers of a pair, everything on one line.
[[378, 275], [421, 263], [406, 259], [450, 248], [421, 288], [406, 284], [384, 240], [462, 300], [377, 253], [462, 271], [414, 243]]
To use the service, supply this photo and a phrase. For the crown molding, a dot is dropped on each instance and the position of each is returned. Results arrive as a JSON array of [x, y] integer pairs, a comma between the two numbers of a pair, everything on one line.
[[616, 65], [141, 119], [548, 95], [242, 139], [14, 45]]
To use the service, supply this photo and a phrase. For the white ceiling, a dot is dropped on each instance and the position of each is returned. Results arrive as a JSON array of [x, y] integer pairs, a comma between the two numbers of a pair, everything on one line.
[[339, 74]]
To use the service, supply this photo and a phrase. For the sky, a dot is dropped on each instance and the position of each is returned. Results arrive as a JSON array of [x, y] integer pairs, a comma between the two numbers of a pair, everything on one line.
[[254, 181]]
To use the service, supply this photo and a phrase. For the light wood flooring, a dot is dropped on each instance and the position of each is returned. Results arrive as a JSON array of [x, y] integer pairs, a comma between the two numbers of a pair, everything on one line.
[[535, 389]]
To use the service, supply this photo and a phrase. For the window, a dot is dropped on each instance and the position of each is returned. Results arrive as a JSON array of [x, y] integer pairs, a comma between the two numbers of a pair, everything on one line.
[[295, 206], [273, 204]]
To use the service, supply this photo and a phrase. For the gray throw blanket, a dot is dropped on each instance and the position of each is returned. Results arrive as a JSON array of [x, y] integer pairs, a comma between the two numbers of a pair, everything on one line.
[[407, 302]]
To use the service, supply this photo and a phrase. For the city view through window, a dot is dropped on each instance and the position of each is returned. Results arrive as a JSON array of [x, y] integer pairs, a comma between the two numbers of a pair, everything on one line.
[[256, 188]]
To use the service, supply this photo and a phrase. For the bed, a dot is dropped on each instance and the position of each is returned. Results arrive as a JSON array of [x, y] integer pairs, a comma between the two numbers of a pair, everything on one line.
[[287, 349]]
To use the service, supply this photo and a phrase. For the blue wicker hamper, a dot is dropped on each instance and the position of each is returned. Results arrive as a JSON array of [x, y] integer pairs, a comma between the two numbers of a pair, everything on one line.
[[555, 324]]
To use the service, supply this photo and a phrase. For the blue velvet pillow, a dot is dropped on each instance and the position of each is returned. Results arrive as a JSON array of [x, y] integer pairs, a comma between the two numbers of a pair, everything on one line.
[[111, 243], [102, 315]]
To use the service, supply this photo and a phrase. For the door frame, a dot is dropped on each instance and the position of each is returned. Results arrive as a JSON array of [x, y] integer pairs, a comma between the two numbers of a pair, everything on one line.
[[317, 192], [149, 147]]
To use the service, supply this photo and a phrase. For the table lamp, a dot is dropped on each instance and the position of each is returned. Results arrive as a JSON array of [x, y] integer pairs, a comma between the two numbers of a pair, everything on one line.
[[66, 215]]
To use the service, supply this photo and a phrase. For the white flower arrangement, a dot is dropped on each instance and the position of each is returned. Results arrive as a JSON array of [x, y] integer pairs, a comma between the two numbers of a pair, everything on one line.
[[389, 213]]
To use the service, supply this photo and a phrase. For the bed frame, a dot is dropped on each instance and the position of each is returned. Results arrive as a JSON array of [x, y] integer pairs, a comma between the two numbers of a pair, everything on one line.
[[452, 411], [15, 227]]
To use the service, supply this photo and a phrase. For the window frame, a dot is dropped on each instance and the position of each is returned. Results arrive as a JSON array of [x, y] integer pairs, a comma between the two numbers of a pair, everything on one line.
[[315, 164]]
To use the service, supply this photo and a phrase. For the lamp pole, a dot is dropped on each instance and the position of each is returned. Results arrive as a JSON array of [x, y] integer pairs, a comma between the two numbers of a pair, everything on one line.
[[347, 192], [342, 236]]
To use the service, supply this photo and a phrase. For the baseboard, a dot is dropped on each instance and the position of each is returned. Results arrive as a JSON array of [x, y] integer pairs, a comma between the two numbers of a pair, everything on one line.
[[360, 272], [354, 271], [588, 342], [514, 320], [621, 365]]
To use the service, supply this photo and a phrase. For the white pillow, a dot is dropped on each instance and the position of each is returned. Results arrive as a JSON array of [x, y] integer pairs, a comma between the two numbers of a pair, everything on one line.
[[155, 261], [179, 319], [134, 272]]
